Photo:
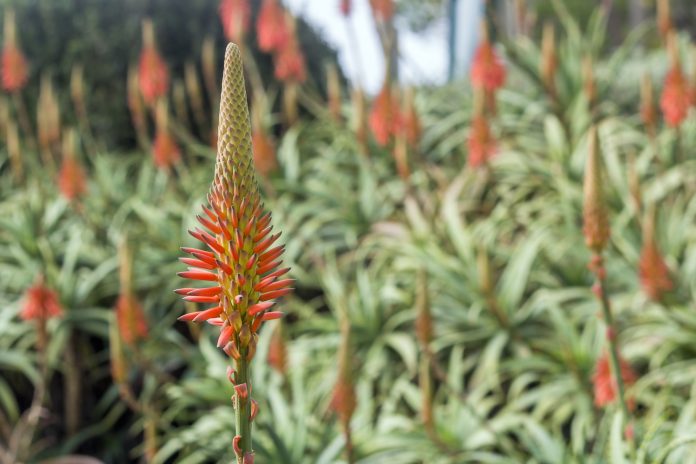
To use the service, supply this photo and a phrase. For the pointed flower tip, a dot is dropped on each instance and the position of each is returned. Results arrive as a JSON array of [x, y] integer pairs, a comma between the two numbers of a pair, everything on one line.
[[595, 219]]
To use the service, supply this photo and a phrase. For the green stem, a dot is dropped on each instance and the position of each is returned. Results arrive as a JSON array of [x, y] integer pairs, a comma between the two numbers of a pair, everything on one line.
[[611, 340], [243, 409]]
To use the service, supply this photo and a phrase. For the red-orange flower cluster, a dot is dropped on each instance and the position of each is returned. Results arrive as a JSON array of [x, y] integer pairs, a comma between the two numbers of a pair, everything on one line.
[[653, 272], [487, 69], [235, 16], [72, 181], [40, 303], [385, 116], [604, 383], [290, 62], [165, 151], [240, 263], [383, 10], [271, 27], [482, 144], [131, 319], [676, 97], [14, 68], [264, 152], [152, 72], [652, 269]]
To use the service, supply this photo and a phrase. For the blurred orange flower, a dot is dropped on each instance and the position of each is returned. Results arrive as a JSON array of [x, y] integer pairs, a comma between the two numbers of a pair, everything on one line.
[[271, 27], [72, 181], [482, 145], [153, 73], [604, 383], [235, 16], [487, 69], [385, 117], [40, 303], [131, 319], [676, 97], [383, 10]]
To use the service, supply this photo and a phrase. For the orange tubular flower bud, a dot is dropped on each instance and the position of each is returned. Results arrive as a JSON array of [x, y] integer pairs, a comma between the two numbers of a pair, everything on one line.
[[481, 143], [383, 10], [487, 69], [652, 269], [676, 94], [264, 149], [289, 59], [385, 116], [165, 150], [15, 71], [271, 27], [278, 350], [235, 16], [41, 303], [72, 179], [605, 388], [410, 120], [344, 401], [153, 73], [595, 217]]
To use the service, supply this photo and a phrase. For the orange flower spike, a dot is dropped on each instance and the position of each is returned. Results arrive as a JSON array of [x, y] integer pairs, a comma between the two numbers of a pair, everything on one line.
[[40, 303], [153, 73], [595, 217], [72, 179], [289, 60], [271, 28], [235, 16], [652, 269], [242, 265], [384, 117], [481, 142], [343, 400], [487, 69], [676, 96], [605, 389], [264, 149], [15, 71], [165, 151], [130, 317], [383, 10]]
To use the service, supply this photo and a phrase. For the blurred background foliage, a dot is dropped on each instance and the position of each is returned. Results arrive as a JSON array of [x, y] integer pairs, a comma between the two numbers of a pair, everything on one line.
[[493, 257]]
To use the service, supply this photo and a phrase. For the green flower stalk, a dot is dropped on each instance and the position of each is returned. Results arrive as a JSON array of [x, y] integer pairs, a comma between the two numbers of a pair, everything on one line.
[[596, 231], [241, 263]]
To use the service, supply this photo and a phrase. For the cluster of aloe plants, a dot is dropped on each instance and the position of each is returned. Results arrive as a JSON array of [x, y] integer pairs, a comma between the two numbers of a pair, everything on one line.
[[499, 271]]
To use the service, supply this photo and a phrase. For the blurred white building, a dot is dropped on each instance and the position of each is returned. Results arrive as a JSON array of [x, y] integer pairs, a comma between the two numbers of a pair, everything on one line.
[[425, 57]]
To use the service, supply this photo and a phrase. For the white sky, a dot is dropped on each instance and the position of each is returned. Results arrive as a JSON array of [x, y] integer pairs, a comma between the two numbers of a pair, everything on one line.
[[424, 55]]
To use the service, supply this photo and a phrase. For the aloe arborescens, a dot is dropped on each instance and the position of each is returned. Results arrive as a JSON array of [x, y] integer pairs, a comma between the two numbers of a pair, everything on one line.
[[241, 263]]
